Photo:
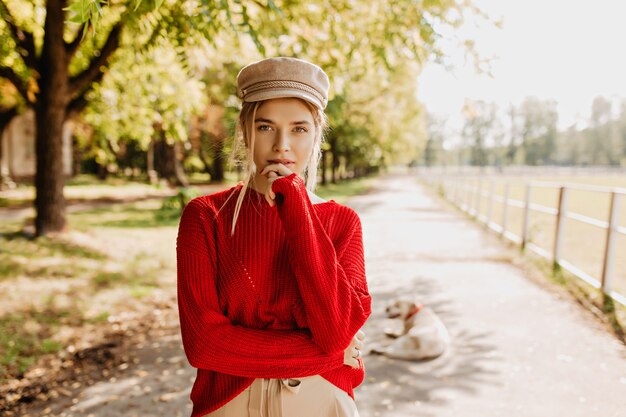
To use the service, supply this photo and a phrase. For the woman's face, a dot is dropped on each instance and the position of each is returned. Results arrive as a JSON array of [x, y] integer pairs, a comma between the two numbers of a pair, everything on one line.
[[285, 133]]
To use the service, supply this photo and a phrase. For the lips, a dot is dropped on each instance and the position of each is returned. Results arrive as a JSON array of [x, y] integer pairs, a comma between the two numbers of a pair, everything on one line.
[[281, 161]]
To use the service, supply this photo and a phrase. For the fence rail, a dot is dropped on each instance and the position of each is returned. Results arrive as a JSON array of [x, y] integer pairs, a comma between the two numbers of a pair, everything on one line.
[[467, 193]]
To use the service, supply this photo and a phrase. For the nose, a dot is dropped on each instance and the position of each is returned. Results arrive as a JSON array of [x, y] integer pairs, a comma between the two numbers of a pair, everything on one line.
[[281, 142]]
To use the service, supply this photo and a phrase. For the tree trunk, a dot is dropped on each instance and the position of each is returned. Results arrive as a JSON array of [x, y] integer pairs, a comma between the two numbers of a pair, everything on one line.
[[50, 114], [179, 172], [77, 156], [324, 164], [334, 166], [218, 160], [5, 118], [151, 171], [167, 163]]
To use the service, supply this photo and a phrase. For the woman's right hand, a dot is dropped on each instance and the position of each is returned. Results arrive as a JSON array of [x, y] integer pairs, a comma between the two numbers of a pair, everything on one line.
[[352, 354]]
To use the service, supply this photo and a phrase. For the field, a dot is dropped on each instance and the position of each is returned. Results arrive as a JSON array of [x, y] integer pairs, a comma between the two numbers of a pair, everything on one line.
[[583, 244]]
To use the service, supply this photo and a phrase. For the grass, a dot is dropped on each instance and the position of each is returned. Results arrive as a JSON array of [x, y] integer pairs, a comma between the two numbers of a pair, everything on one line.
[[135, 275], [15, 202], [41, 258], [28, 334], [126, 215], [86, 187], [604, 308], [28, 331], [343, 190]]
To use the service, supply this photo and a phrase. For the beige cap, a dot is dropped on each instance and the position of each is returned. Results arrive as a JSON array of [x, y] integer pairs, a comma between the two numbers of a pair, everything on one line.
[[283, 77]]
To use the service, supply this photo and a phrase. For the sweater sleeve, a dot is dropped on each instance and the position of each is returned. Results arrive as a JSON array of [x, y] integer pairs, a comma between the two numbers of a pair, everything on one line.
[[331, 277], [210, 340]]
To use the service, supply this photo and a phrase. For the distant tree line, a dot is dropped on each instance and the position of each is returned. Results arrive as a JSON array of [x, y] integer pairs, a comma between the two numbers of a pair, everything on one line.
[[527, 134]]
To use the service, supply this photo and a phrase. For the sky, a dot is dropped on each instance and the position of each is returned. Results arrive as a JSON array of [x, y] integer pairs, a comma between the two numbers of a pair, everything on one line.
[[567, 50]]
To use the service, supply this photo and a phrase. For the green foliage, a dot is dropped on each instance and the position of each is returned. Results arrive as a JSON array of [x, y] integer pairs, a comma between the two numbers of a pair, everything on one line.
[[180, 200], [173, 51], [144, 94]]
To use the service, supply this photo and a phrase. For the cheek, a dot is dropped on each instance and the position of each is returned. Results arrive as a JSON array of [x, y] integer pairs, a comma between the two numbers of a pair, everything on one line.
[[261, 149], [304, 147]]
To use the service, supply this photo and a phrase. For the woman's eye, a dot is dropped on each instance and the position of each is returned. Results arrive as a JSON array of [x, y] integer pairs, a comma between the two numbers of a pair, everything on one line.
[[264, 128], [301, 129]]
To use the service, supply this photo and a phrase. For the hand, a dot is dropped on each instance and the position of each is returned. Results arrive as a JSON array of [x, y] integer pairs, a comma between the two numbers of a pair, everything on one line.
[[273, 172], [352, 354]]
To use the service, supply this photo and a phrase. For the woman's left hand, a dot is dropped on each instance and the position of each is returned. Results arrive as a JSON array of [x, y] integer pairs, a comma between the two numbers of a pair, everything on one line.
[[352, 354], [273, 172]]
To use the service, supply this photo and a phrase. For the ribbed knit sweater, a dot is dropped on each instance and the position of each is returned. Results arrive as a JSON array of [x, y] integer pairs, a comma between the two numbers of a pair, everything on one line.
[[281, 298]]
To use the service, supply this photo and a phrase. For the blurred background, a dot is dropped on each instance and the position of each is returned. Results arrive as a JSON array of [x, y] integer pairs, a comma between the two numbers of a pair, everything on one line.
[[113, 114]]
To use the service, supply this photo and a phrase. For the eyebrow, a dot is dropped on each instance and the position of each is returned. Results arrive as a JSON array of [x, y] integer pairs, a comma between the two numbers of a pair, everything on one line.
[[301, 122]]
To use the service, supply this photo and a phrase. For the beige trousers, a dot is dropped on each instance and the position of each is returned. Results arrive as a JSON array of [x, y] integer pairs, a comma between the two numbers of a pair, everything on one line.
[[311, 396]]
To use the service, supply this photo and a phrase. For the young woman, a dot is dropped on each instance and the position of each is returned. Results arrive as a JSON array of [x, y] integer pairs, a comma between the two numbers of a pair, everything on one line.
[[271, 284]]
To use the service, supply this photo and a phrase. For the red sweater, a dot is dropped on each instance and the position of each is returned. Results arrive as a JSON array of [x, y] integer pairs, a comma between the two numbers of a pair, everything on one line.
[[281, 298]]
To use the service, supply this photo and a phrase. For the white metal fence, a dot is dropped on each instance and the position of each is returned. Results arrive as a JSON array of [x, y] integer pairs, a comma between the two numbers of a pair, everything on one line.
[[467, 192]]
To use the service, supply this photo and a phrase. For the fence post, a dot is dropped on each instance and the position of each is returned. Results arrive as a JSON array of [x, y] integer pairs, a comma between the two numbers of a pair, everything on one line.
[[607, 266], [490, 207], [468, 196], [560, 225], [505, 207], [526, 224], [479, 196]]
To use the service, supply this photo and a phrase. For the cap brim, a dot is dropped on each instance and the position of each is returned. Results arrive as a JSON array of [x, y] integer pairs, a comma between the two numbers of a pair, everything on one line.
[[283, 93]]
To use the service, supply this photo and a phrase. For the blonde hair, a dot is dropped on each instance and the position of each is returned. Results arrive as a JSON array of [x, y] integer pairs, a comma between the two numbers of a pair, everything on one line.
[[243, 149]]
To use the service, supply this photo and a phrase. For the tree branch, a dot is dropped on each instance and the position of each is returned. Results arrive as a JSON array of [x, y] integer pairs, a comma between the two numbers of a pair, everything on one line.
[[80, 82], [78, 103], [24, 39], [72, 47], [16, 80]]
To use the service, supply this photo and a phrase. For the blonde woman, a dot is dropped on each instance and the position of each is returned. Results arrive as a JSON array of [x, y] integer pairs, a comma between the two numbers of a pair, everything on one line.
[[272, 291]]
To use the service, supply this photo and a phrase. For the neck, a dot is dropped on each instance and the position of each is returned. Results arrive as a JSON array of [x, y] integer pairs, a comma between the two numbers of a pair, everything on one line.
[[414, 311]]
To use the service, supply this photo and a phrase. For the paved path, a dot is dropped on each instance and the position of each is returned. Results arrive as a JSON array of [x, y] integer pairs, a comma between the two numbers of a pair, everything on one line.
[[517, 350]]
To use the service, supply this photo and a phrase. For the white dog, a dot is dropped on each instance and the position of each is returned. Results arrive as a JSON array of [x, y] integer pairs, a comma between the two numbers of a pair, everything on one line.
[[424, 335]]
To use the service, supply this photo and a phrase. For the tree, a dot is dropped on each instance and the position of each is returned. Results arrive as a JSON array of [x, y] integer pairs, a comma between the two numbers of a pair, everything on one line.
[[538, 120], [603, 142], [433, 150], [480, 120], [622, 130], [53, 65], [145, 103]]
